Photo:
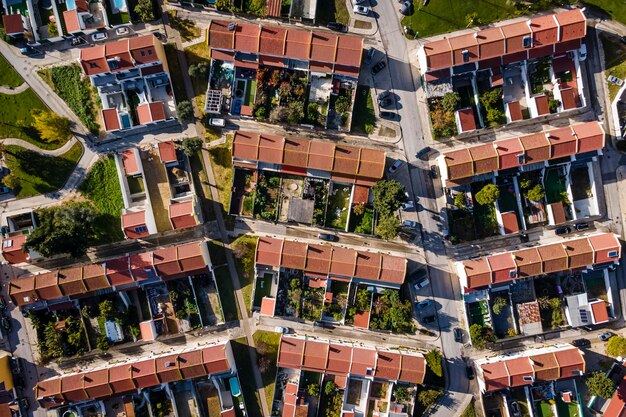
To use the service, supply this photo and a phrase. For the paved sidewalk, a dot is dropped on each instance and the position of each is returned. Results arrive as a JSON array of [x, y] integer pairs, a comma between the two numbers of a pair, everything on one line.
[[13, 91], [50, 152]]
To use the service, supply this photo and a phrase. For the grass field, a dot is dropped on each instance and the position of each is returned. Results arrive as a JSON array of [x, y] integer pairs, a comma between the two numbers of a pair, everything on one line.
[[40, 174], [246, 377], [8, 76], [267, 350], [198, 172], [244, 249], [188, 30], [363, 116], [224, 282], [102, 187], [221, 161], [614, 60], [195, 54]]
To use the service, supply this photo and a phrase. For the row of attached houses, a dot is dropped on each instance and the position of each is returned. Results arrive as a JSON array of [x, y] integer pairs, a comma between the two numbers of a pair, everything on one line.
[[132, 80], [536, 37], [572, 254], [126, 378], [114, 274], [581, 139]]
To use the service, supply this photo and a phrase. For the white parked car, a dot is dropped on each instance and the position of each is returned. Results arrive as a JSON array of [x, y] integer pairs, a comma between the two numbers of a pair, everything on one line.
[[361, 10], [280, 329], [123, 30], [217, 122], [582, 52], [99, 36]]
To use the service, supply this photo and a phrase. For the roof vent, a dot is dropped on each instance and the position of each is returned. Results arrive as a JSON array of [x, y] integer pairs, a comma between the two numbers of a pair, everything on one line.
[[168, 364], [231, 26]]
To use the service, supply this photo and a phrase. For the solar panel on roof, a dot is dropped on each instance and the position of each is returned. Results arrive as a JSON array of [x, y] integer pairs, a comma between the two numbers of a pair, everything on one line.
[[583, 315]]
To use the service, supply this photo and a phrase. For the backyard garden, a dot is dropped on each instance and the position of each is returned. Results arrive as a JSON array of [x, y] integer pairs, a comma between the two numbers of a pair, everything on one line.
[[60, 334], [550, 305], [362, 219], [244, 248], [266, 196], [280, 95], [502, 316], [485, 221], [441, 110], [335, 309], [390, 312], [361, 303], [363, 116], [338, 206], [184, 301]]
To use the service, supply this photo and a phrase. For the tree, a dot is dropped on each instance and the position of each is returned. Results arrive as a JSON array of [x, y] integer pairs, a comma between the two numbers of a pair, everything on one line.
[[313, 390], [145, 10], [53, 31], [490, 98], [63, 229], [329, 387], [199, 70], [428, 397], [472, 19], [433, 359], [387, 227], [11, 181], [616, 346], [388, 196], [553, 105], [223, 5], [51, 126], [184, 110], [191, 145], [296, 112], [103, 343], [106, 309], [536, 193], [402, 394], [495, 117], [600, 385], [52, 341], [487, 195], [450, 101], [481, 336], [459, 200], [498, 304]]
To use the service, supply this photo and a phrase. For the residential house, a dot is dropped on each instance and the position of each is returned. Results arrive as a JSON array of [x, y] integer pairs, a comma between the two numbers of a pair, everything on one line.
[[37, 20], [84, 17], [617, 404], [132, 80]]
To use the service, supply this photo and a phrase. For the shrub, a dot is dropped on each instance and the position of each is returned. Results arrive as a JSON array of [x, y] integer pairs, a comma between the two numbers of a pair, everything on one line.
[[184, 110], [498, 305], [433, 359], [145, 10], [295, 112], [68, 83], [313, 390], [536, 193], [191, 145], [459, 200], [428, 397], [103, 343], [481, 336], [553, 105], [329, 387], [387, 227], [600, 385], [616, 346], [487, 195], [450, 101], [222, 5]]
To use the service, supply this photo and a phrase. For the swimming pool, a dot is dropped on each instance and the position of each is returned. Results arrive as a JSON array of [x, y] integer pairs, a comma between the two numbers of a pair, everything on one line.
[[125, 118], [71, 4], [234, 387], [119, 5]]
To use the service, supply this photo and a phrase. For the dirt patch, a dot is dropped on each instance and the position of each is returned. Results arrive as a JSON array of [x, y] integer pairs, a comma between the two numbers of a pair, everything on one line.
[[362, 24], [386, 132]]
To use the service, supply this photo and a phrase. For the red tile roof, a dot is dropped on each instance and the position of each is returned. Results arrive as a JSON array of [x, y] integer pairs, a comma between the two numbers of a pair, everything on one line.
[[167, 151], [606, 247], [125, 53], [617, 404], [599, 312], [72, 22], [13, 24], [545, 30], [362, 319], [268, 306], [515, 111], [466, 119], [182, 215], [13, 249], [573, 25], [510, 223], [329, 260], [272, 8], [132, 221], [151, 112], [111, 120], [93, 61], [130, 162], [542, 105]]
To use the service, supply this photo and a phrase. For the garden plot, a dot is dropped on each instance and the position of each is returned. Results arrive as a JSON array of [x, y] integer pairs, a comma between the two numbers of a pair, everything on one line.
[[585, 203], [319, 94], [360, 305], [208, 300], [362, 219], [539, 75], [262, 289], [534, 211], [485, 221], [338, 206], [502, 314], [336, 301], [317, 190], [280, 95], [266, 198], [292, 189]]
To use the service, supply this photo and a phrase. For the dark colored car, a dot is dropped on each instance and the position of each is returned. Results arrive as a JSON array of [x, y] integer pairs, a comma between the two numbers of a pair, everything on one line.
[[381, 65], [336, 26], [328, 237], [384, 95], [458, 335], [407, 8], [428, 319], [581, 343], [423, 152], [434, 171], [582, 226], [563, 230], [389, 115], [385, 102], [470, 372], [29, 50], [6, 323]]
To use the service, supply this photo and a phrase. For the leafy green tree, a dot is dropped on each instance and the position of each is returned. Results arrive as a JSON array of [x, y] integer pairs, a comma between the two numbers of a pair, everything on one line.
[[63, 229], [53, 341], [600, 385], [553, 105], [296, 112], [428, 397], [481, 336], [433, 359], [491, 98], [106, 309], [388, 196], [536, 193], [487, 195], [616, 346], [459, 200], [223, 5], [145, 10], [191, 145], [387, 227], [199, 70], [498, 305], [103, 343], [51, 126], [450, 101], [402, 394], [53, 31], [12, 181], [184, 110], [313, 390], [329, 387]]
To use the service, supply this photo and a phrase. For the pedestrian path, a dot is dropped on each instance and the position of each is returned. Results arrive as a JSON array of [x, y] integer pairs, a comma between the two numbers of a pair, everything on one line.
[[32, 147], [12, 91]]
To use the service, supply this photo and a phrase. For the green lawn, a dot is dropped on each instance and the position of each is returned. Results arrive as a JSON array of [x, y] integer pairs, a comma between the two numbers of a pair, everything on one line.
[[614, 8], [102, 187], [332, 11], [223, 281], [566, 409], [544, 409], [449, 15], [337, 210], [262, 289], [187, 28], [8, 76], [363, 116], [222, 163], [195, 54], [246, 377], [40, 174], [201, 185], [244, 248], [614, 60], [267, 348]]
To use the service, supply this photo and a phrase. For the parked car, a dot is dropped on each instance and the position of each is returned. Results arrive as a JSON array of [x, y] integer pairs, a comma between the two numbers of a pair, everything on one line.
[[364, 10], [395, 166], [328, 237], [386, 102], [428, 319], [458, 335], [29, 50], [581, 226], [123, 30], [406, 8], [410, 223], [423, 152], [384, 95], [281, 329], [99, 36], [515, 410], [581, 343], [424, 304], [158, 35], [582, 52], [563, 230], [370, 55], [337, 27], [217, 122], [605, 336], [424, 282], [380, 65], [434, 171], [469, 371], [389, 115], [418, 275], [409, 205]]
